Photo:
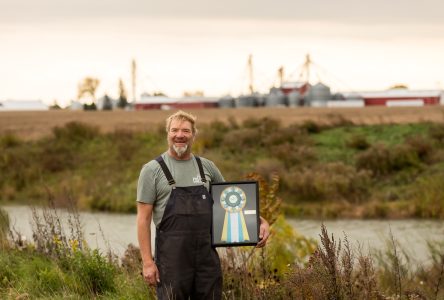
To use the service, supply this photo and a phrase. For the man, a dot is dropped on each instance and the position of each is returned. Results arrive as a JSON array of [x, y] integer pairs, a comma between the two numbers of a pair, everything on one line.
[[173, 192]]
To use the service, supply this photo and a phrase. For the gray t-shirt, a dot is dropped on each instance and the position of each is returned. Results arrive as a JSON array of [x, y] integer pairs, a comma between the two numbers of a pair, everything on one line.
[[153, 187]]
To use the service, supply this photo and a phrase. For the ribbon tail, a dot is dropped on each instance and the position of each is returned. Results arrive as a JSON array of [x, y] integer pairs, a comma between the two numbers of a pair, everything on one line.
[[244, 227], [224, 237]]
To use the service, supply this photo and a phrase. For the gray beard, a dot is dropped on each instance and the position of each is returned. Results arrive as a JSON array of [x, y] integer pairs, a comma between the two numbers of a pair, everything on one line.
[[180, 151]]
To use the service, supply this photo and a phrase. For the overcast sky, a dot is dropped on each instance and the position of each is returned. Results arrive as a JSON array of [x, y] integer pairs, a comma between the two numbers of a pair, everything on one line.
[[48, 46], [355, 11]]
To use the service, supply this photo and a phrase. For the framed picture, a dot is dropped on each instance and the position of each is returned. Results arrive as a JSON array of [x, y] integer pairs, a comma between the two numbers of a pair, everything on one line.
[[235, 213]]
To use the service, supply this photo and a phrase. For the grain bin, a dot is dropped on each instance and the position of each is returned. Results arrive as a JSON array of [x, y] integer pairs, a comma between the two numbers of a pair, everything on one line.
[[294, 98], [276, 98], [247, 101], [226, 102], [318, 95]]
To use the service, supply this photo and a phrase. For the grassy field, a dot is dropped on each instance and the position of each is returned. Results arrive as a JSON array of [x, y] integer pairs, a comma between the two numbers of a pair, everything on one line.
[[34, 125]]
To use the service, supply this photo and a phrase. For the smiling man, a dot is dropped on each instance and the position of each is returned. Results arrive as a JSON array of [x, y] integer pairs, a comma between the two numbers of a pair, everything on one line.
[[173, 192]]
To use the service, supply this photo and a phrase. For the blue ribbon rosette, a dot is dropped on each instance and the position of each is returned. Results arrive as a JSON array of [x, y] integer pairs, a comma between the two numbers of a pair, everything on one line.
[[233, 200]]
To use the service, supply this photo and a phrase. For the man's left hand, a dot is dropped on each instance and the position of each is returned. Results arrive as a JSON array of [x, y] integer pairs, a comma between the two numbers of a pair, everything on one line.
[[264, 233]]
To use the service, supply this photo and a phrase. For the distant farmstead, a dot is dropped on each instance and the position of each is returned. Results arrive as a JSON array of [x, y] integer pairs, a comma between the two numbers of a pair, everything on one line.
[[163, 102], [17, 105]]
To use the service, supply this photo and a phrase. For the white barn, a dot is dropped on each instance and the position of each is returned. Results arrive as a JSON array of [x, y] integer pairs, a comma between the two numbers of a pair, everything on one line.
[[15, 105]]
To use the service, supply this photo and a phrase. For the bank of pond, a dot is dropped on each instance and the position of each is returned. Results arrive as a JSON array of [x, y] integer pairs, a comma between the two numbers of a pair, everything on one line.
[[334, 169], [59, 257]]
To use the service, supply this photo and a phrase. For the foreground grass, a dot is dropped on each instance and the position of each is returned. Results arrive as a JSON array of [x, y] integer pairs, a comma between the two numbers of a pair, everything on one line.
[[335, 170], [59, 266]]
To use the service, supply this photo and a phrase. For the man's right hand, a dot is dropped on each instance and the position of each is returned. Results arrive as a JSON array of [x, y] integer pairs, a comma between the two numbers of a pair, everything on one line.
[[151, 273]]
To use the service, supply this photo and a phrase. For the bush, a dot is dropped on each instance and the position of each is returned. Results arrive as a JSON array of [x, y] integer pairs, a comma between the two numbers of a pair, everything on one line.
[[242, 139], [358, 142], [423, 147], [9, 140], [75, 132], [427, 196], [293, 155], [292, 135], [311, 127], [381, 160], [437, 132], [93, 272], [332, 181], [4, 228]]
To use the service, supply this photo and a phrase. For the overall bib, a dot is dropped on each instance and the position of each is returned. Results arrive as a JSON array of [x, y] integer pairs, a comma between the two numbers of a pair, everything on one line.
[[189, 266]]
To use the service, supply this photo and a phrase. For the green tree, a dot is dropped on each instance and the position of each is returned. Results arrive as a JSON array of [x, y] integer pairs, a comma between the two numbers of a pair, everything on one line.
[[123, 99]]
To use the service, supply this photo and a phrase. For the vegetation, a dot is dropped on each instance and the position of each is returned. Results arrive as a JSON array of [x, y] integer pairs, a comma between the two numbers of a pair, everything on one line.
[[334, 170], [58, 264]]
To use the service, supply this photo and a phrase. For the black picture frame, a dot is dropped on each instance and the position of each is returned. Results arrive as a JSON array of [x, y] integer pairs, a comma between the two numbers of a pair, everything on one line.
[[235, 214]]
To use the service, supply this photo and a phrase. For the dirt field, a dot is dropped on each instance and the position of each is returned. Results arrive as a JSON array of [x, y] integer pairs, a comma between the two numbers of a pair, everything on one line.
[[33, 125]]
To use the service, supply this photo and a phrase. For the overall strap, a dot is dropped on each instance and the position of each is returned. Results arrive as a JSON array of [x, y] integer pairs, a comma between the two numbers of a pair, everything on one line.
[[165, 170], [199, 164]]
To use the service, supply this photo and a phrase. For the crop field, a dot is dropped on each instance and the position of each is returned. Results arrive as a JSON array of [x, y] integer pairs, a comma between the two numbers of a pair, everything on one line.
[[34, 125]]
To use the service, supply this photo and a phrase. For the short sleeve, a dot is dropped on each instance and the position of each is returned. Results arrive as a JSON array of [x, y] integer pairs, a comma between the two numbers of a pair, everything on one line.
[[215, 174], [146, 186]]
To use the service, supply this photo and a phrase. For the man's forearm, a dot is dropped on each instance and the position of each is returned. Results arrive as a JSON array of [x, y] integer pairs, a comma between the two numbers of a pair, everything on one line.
[[144, 237]]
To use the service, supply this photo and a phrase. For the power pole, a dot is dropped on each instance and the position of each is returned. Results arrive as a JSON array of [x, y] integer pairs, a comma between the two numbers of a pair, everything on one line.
[[281, 75], [133, 79], [250, 73]]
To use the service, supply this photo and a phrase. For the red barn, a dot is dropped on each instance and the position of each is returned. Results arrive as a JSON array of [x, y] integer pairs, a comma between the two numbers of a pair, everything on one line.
[[403, 97]]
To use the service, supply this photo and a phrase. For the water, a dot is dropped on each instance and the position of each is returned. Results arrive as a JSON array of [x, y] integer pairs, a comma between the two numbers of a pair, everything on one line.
[[118, 230]]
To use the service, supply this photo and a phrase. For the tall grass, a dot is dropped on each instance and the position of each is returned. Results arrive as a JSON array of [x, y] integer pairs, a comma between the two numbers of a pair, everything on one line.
[[289, 267]]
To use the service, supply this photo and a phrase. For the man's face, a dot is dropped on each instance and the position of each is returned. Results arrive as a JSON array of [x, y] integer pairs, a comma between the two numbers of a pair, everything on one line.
[[180, 137]]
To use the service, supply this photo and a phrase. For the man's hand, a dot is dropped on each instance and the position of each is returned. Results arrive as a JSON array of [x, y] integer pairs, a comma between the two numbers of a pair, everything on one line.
[[151, 273], [264, 233]]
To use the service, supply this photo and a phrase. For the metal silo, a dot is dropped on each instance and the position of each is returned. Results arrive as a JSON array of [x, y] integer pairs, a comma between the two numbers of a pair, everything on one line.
[[318, 95], [226, 102], [276, 98], [294, 98], [247, 101]]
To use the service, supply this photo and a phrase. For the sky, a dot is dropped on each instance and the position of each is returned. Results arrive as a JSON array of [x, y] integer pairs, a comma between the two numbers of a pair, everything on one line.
[[48, 46]]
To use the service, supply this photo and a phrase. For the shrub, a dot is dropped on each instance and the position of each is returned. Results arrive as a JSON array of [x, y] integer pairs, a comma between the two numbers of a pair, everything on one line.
[[427, 196], [4, 228], [267, 166], [9, 140], [240, 139], [332, 181], [381, 160], [264, 125], [358, 142], [423, 147], [332, 273], [311, 126], [75, 132], [437, 132], [93, 272], [293, 155], [57, 156], [292, 134]]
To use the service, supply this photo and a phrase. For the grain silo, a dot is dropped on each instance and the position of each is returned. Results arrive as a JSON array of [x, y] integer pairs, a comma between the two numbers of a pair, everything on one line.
[[318, 95], [226, 102], [276, 98], [247, 101], [294, 98]]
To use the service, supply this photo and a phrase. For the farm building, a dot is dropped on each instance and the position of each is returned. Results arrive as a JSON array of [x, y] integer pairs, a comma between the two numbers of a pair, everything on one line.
[[165, 103], [403, 97], [13, 105]]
